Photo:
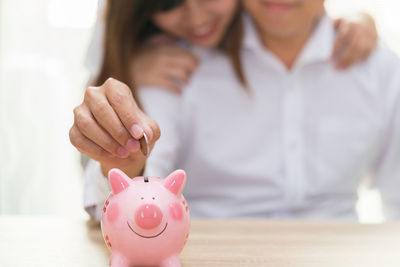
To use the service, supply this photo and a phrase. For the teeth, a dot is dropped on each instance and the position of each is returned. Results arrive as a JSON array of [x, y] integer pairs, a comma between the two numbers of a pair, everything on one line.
[[202, 30]]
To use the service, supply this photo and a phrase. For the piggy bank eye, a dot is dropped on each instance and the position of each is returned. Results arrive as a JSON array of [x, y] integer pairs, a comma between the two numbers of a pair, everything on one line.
[[142, 198], [153, 198]]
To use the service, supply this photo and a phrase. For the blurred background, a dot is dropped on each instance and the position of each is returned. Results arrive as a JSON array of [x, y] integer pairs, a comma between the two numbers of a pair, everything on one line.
[[43, 44]]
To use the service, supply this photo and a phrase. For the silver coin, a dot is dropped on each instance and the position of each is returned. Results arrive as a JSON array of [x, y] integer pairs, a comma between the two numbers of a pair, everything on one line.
[[144, 145]]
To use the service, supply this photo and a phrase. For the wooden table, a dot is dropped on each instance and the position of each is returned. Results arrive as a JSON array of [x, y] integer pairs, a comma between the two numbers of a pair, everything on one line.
[[50, 241]]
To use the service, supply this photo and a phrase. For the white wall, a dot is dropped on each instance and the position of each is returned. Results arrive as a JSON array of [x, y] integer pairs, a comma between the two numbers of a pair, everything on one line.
[[42, 44], [386, 13]]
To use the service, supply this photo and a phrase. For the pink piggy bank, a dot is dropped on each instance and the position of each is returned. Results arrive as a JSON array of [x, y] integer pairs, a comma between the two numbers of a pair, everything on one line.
[[145, 220]]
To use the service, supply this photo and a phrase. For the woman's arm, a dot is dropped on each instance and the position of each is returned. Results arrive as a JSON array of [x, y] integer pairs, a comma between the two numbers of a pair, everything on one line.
[[163, 106], [163, 64], [356, 39]]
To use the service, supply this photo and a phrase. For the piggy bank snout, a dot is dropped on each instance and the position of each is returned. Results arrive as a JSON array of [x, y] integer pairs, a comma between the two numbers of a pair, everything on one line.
[[148, 216]]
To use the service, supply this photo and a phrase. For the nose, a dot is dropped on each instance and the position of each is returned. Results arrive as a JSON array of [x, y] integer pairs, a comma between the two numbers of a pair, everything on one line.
[[196, 14], [148, 216]]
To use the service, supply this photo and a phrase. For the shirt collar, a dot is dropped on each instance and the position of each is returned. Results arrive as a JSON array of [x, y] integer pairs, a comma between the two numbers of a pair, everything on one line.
[[317, 49]]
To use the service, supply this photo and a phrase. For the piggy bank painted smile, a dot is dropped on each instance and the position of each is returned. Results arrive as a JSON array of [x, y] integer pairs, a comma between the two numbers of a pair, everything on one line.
[[145, 220]]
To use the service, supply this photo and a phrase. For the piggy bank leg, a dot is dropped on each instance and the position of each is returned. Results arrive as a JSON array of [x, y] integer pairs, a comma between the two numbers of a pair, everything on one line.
[[172, 261], [118, 261]]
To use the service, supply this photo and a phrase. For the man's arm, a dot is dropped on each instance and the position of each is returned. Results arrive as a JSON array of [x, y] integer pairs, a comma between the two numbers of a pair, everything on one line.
[[387, 168]]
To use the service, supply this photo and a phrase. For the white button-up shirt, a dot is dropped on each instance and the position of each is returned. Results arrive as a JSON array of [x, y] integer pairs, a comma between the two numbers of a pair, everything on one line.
[[295, 146]]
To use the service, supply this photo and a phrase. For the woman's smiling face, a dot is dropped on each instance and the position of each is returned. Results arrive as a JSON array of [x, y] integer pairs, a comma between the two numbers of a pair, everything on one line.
[[201, 22]]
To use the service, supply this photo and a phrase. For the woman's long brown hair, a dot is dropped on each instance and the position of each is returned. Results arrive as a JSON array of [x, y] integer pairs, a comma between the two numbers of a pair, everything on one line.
[[129, 24]]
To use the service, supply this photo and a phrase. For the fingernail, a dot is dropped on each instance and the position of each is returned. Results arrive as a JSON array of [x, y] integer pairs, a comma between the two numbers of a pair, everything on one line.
[[136, 131], [133, 145], [122, 152], [149, 132]]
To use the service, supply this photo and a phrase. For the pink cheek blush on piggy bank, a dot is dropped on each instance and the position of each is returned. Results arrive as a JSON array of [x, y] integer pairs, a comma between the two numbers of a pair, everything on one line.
[[145, 220]]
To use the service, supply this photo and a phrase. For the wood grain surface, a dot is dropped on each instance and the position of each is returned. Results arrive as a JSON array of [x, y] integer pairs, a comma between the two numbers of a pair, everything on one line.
[[54, 241]]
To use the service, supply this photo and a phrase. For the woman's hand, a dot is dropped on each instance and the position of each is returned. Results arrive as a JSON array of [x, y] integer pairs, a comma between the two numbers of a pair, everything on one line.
[[357, 38], [108, 125], [164, 65]]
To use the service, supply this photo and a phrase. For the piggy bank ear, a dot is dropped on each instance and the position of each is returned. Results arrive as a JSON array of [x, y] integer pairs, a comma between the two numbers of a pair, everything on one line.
[[175, 182], [119, 181]]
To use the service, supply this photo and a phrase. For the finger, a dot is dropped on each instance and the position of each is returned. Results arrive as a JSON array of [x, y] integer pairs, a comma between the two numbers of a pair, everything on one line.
[[343, 36], [349, 55], [181, 51], [178, 74], [368, 21], [184, 54], [188, 59], [361, 47], [152, 129], [187, 64], [86, 146], [166, 83], [121, 100], [366, 48], [108, 119], [337, 23], [88, 126], [366, 45]]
